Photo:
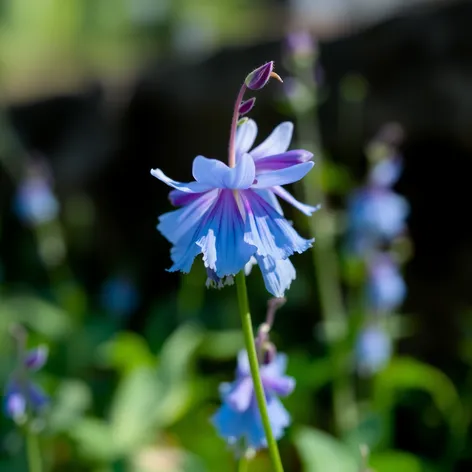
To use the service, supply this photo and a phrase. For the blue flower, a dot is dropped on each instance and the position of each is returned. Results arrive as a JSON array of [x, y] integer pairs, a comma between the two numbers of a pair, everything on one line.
[[386, 289], [238, 419], [373, 350], [231, 214], [22, 395], [376, 215]]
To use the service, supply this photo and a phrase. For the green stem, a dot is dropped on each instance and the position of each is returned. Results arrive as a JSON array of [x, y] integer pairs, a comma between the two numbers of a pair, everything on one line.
[[33, 452], [254, 364], [243, 464]]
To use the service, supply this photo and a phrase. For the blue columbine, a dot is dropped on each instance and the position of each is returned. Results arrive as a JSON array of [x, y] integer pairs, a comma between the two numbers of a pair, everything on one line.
[[238, 419], [230, 214], [22, 395]]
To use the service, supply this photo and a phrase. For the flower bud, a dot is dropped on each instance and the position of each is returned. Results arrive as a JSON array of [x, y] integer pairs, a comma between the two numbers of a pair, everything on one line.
[[247, 106], [259, 77]]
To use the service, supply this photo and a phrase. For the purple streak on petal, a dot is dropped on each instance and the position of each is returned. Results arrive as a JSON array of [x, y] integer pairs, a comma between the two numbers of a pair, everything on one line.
[[181, 224], [245, 137], [269, 231], [189, 187], [282, 161], [282, 176], [277, 275], [221, 238], [282, 386], [306, 209], [277, 142], [179, 198], [218, 175], [36, 358]]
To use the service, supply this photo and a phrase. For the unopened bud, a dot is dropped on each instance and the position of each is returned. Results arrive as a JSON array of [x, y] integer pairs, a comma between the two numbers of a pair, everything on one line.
[[247, 106], [259, 77]]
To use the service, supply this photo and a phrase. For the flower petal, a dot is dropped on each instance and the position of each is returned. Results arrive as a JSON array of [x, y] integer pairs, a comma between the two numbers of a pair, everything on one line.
[[282, 176], [268, 230], [183, 223], [189, 187], [279, 417], [222, 238], [179, 198], [15, 405], [282, 161], [268, 195], [278, 275], [231, 424], [282, 193], [281, 386], [245, 137], [36, 358], [37, 397], [277, 142], [240, 395], [217, 174]]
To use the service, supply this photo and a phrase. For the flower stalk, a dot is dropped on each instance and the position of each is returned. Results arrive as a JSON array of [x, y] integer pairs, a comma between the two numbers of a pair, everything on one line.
[[33, 452], [254, 364]]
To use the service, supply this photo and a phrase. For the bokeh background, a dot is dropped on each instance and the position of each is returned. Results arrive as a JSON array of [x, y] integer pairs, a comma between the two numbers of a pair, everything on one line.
[[96, 93]]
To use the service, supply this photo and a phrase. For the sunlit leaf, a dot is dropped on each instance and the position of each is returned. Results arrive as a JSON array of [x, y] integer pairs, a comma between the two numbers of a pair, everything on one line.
[[94, 439]]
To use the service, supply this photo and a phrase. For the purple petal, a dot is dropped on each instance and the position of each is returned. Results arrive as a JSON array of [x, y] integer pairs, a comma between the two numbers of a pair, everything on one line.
[[259, 77], [36, 358], [217, 174], [246, 106], [277, 142], [243, 368], [37, 397], [269, 231], [240, 395], [283, 176], [15, 405], [222, 237], [281, 386], [245, 137], [278, 275], [282, 161], [189, 187], [179, 198], [306, 209]]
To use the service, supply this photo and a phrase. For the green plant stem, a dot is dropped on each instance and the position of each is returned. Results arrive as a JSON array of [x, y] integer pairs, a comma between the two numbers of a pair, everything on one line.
[[33, 452], [243, 464], [255, 374], [325, 262]]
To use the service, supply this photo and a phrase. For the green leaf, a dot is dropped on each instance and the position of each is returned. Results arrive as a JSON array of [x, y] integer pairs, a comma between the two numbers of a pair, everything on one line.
[[43, 317], [395, 461], [321, 452], [94, 439], [221, 344], [71, 400]]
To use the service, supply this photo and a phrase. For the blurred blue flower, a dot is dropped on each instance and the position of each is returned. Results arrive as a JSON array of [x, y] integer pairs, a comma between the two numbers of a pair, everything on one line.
[[34, 201], [238, 419], [376, 215], [386, 172], [386, 289], [230, 214], [22, 395], [373, 350], [119, 296]]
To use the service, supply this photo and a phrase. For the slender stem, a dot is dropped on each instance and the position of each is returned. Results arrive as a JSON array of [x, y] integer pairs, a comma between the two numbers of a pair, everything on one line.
[[243, 464], [234, 125], [33, 452], [254, 364]]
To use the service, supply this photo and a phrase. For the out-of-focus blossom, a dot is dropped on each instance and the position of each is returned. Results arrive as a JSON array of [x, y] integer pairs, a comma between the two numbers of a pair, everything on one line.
[[373, 350], [35, 202], [376, 215], [301, 45], [119, 296], [386, 289], [22, 394], [238, 419], [386, 173]]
